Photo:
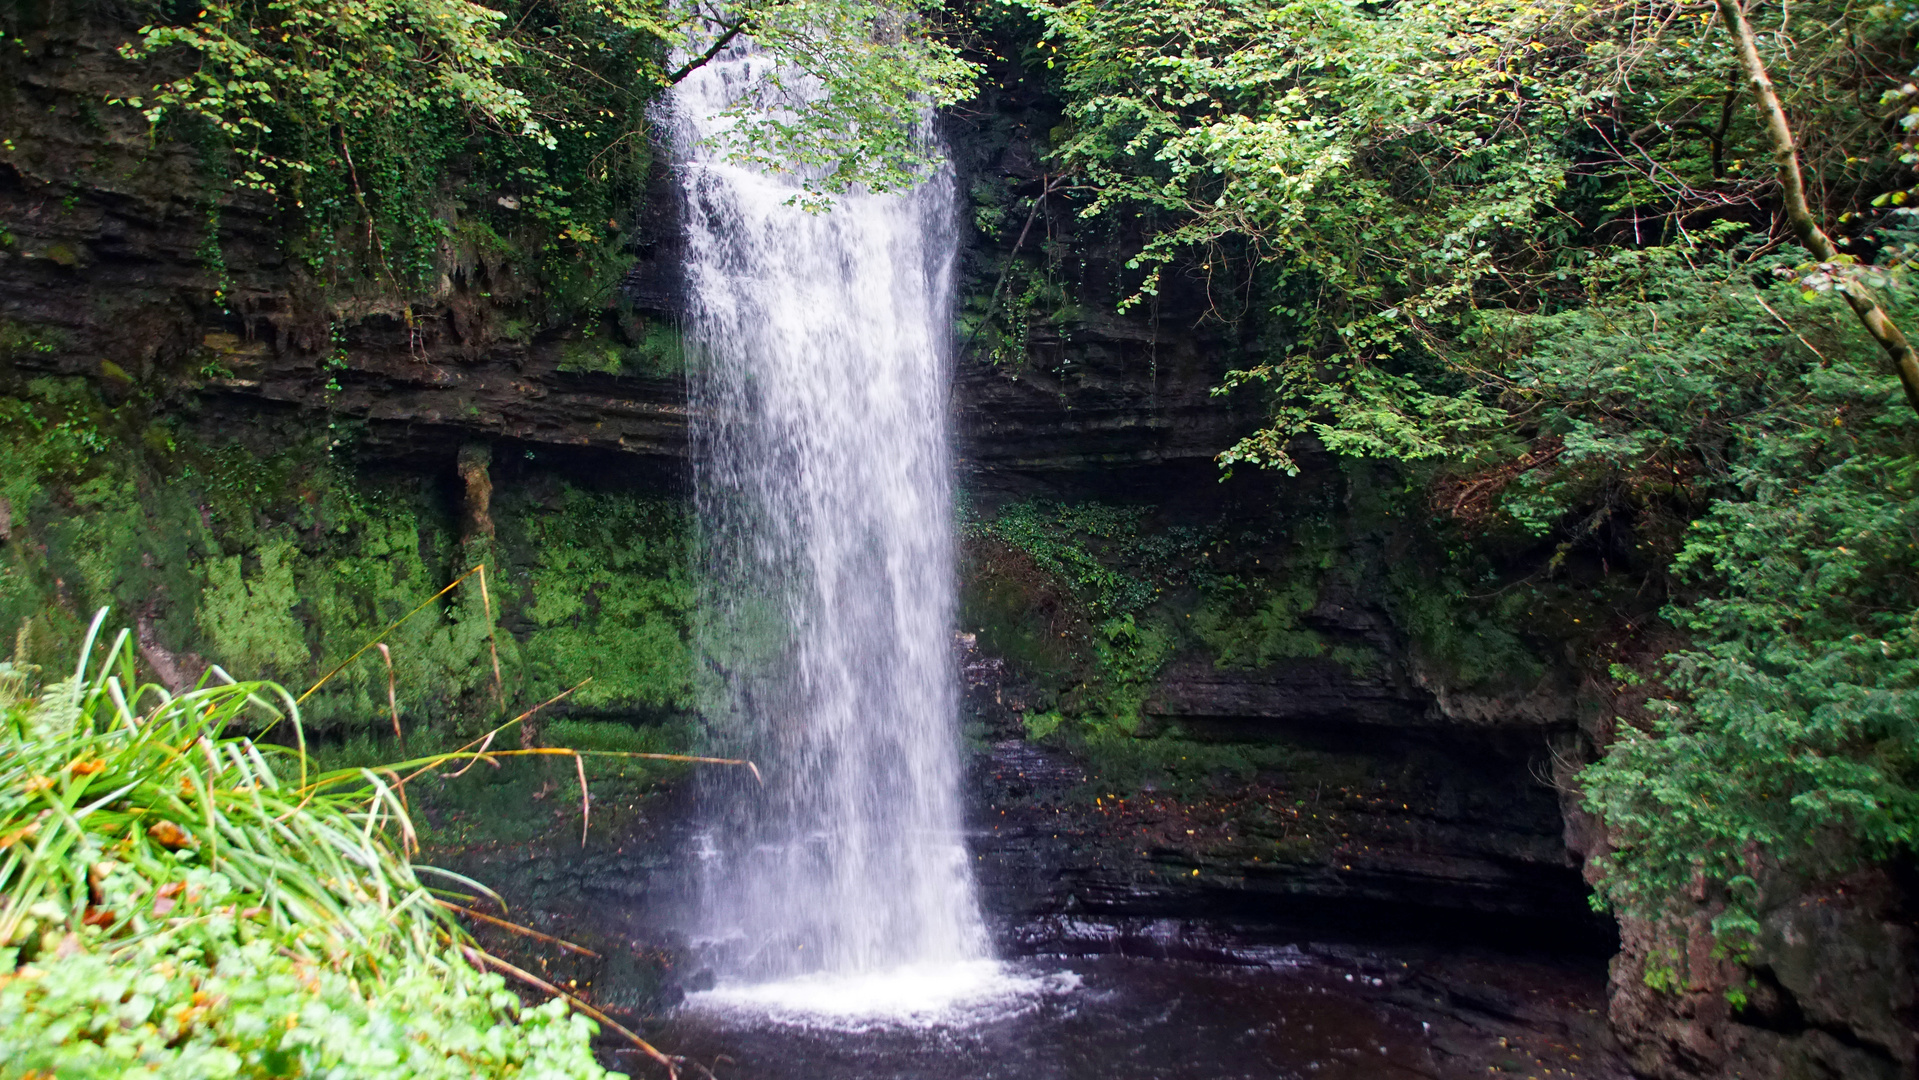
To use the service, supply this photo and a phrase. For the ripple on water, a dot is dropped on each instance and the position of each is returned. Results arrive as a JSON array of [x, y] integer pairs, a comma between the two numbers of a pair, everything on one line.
[[915, 996]]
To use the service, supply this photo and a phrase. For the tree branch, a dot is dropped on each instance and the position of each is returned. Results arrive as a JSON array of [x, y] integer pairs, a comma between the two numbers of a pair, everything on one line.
[[719, 44], [1047, 187], [1792, 181]]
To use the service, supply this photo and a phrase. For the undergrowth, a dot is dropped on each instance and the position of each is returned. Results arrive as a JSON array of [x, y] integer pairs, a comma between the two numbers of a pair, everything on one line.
[[179, 899]]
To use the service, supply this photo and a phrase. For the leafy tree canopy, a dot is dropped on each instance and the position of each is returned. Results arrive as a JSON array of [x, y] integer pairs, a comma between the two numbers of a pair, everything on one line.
[[1551, 256]]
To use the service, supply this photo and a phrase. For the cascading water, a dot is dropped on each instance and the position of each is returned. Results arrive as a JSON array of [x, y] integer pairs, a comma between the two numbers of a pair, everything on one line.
[[820, 345]]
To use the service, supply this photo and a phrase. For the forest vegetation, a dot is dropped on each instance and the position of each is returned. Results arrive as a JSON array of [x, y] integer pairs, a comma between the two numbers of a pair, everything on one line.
[[1615, 279]]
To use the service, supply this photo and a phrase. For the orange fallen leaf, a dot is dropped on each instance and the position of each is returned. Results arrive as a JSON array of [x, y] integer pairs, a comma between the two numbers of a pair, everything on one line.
[[169, 835]]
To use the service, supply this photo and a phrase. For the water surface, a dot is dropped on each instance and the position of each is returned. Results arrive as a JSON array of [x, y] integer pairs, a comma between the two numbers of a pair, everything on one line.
[[1125, 1018]]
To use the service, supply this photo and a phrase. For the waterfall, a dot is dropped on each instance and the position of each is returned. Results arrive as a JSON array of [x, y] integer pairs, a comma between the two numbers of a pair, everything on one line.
[[821, 348]]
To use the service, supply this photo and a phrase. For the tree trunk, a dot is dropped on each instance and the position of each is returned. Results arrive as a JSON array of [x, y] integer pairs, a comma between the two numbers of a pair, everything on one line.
[[1785, 154]]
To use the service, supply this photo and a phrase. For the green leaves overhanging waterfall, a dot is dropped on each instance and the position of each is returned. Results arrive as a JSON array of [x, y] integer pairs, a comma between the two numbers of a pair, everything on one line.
[[381, 126]]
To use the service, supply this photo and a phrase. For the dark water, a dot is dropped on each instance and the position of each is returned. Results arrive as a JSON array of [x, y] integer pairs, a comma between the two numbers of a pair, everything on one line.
[[1137, 1019]]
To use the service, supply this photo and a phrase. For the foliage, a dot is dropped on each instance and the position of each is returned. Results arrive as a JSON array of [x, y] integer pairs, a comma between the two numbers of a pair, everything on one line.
[[379, 124], [643, 347], [1787, 742], [1297, 137], [1068, 540], [1511, 247], [183, 901], [849, 102], [1383, 174], [352, 112], [1116, 570]]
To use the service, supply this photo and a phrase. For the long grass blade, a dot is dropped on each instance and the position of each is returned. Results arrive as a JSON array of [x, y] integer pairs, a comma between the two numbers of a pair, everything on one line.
[[492, 642], [86, 651], [516, 928], [395, 625]]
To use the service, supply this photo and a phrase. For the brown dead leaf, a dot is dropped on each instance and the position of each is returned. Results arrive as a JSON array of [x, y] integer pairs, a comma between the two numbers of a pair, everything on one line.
[[169, 835]]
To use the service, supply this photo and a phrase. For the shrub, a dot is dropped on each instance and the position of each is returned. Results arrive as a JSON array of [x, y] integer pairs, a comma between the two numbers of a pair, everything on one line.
[[178, 900]]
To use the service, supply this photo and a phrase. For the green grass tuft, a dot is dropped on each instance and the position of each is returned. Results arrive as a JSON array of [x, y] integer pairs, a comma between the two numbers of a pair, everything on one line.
[[180, 899]]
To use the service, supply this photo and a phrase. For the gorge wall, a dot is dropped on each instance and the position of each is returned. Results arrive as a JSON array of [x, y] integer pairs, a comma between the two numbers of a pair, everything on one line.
[[1256, 700]]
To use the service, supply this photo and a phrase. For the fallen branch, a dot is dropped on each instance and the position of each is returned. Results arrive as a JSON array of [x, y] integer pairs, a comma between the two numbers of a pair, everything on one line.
[[516, 928]]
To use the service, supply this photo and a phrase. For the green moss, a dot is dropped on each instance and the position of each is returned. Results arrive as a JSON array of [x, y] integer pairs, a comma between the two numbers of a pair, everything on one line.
[[248, 618], [1254, 625], [658, 350], [1098, 550], [1468, 643], [613, 597], [1072, 593], [652, 349], [1118, 763], [475, 239], [592, 355], [1130, 654], [287, 563]]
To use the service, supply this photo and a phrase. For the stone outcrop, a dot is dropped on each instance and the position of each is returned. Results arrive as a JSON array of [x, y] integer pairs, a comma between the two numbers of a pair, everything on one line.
[[1092, 391], [1828, 991]]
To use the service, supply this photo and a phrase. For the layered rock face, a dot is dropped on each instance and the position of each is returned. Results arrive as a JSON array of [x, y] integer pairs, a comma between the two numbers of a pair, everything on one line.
[[1828, 992], [1359, 792], [125, 261], [1394, 797]]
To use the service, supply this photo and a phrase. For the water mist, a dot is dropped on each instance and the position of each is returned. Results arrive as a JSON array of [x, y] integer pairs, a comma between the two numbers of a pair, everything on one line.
[[820, 346]]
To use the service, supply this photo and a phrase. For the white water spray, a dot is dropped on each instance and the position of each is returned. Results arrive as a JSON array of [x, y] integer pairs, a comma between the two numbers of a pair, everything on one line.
[[821, 351]]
